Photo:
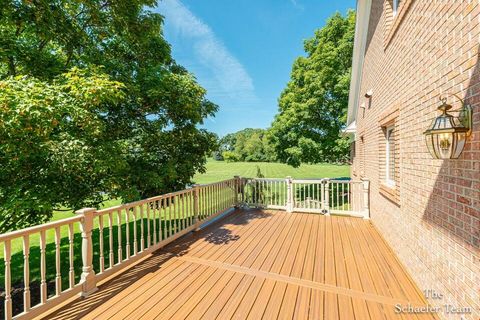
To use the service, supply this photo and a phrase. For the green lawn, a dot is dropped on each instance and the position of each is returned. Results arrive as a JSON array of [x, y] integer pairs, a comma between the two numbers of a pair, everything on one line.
[[220, 170]]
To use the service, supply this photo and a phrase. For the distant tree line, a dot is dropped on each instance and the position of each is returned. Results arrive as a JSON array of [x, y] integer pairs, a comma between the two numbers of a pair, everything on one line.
[[250, 145]]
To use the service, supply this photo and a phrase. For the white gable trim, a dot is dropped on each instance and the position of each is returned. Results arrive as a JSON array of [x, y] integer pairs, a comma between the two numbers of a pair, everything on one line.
[[359, 45]]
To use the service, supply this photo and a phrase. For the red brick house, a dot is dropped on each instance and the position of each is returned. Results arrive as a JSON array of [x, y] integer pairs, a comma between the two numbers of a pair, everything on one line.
[[407, 54]]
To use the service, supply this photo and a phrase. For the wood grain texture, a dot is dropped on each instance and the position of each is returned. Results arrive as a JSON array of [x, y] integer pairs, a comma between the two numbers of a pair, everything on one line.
[[260, 264]]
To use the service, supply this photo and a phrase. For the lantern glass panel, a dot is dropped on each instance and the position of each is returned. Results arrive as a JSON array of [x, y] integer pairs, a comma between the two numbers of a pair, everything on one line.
[[461, 138]]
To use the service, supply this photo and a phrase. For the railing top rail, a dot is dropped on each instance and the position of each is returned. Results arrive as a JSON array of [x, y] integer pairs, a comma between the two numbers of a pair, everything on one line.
[[214, 183], [143, 201], [39, 228], [266, 179]]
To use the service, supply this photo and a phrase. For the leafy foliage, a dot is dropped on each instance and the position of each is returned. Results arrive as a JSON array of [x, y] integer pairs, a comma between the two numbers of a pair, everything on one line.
[[92, 105], [312, 108], [246, 145]]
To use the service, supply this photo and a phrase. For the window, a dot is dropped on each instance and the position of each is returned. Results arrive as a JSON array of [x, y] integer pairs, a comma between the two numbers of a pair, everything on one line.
[[389, 157]]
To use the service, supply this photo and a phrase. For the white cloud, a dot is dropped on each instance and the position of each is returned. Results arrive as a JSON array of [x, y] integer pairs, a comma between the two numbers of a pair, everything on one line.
[[297, 4], [218, 70]]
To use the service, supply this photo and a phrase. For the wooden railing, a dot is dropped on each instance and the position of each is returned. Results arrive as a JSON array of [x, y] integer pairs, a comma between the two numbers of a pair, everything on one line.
[[109, 240], [324, 196], [94, 244]]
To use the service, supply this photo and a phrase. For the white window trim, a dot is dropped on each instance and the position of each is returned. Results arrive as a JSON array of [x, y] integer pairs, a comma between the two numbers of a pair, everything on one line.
[[389, 181]]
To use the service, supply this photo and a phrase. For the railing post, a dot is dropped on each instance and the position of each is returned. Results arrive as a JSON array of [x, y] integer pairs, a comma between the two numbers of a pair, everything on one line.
[[87, 278], [196, 205], [289, 194], [366, 199], [326, 197], [7, 249]]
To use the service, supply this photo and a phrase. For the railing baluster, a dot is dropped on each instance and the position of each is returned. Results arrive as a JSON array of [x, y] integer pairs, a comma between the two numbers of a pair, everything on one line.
[[58, 274], [178, 207], [349, 207], [148, 225], [190, 208], [142, 240], [26, 273], [135, 240], [71, 270], [43, 281], [337, 191], [152, 205], [7, 252], [127, 226], [184, 211], [161, 230], [100, 238], [224, 197], [110, 239], [219, 205], [164, 214], [175, 214], [209, 200], [319, 196], [119, 235], [169, 216]]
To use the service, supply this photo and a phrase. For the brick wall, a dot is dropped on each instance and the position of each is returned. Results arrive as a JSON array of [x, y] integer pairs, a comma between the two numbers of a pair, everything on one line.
[[433, 220]]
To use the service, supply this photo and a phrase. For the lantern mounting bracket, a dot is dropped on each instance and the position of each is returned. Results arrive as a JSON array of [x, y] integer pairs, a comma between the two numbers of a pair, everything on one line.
[[465, 114]]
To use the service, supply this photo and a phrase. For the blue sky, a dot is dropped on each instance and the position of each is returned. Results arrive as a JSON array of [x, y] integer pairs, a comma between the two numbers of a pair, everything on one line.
[[242, 51]]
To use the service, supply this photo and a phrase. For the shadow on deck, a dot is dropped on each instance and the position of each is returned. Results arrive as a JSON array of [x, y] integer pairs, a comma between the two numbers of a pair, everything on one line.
[[260, 264]]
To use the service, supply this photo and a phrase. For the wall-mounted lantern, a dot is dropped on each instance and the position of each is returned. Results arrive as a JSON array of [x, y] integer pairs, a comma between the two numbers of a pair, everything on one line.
[[447, 135]]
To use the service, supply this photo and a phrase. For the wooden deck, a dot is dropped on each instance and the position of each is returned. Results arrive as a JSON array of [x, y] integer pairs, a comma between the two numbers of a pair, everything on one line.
[[255, 264]]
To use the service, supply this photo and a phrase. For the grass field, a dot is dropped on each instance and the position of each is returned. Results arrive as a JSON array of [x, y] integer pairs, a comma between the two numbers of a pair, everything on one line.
[[220, 170]]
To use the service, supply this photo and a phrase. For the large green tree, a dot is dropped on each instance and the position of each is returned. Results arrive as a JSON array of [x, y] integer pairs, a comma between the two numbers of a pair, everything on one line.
[[92, 105], [313, 106]]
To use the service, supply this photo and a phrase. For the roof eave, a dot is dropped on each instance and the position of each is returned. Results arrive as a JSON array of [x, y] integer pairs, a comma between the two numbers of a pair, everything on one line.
[[359, 47]]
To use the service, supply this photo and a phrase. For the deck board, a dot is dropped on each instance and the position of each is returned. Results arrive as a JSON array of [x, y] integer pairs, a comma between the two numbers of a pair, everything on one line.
[[260, 264]]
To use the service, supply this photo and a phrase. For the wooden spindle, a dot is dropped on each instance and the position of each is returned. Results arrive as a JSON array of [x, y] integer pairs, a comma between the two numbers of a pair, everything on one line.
[[26, 273], [154, 218], [176, 206], [349, 207], [135, 243], [183, 210], [127, 226], [71, 270], [148, 225], [170, 215], [100, 237], [7, 252], [142, 240], [110, 240], [43, 269], [119, 235], [58, 272], [163, 214]]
